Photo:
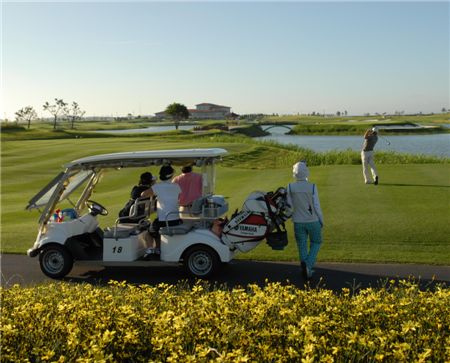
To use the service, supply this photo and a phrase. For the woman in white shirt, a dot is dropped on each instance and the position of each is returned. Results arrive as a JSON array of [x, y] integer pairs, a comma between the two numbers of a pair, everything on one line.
[[167, 194], [307, 217]]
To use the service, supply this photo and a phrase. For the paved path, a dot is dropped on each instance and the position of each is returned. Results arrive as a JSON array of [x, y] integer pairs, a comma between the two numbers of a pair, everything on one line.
[[23, 270]]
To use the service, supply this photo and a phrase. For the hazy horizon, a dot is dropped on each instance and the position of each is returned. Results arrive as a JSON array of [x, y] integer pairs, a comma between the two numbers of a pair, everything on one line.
[[115, 58]]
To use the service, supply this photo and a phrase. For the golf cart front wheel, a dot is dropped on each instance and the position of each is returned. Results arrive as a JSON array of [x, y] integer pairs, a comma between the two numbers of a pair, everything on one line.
[[55, 261], [201, 261]]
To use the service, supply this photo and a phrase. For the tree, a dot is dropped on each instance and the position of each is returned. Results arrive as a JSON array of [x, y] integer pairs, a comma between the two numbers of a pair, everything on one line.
[[74, 113], [57, 109], [26, 114], [338, 113], [444, 110], [178, 112]]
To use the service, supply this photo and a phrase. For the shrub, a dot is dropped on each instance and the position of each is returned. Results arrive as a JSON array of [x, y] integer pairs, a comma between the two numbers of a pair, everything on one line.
[[360, 128], [11, 127], [175, 323]]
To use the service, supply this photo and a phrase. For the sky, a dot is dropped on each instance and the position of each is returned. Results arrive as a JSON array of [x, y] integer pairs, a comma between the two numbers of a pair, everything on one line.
[[115, 58]]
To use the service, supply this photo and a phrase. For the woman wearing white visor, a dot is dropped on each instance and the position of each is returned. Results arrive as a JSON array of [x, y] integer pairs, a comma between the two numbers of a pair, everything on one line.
[[307, 217]]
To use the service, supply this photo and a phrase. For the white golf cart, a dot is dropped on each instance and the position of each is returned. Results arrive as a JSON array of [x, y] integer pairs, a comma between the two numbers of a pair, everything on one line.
[[70, 235]]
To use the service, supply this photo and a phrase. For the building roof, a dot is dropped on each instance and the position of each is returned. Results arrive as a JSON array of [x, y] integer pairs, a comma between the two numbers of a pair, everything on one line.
[[203, 111], [211, 104]]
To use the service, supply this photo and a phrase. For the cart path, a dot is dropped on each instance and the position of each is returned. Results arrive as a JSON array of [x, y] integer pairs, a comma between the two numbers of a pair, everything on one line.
[[23, 270]]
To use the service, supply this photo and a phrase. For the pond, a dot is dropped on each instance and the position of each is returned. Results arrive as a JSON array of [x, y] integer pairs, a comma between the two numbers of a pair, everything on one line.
[[430, 144]]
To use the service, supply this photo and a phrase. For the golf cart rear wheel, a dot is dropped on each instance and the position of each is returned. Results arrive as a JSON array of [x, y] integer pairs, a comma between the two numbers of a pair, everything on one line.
[[201, 261], [56, 262]]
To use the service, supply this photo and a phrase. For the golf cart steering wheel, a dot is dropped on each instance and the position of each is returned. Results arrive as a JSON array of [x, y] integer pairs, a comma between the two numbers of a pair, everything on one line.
[[96, 208]]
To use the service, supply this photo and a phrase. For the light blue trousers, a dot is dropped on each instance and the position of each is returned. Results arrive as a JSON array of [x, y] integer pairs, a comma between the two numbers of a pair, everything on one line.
[[302, 231]]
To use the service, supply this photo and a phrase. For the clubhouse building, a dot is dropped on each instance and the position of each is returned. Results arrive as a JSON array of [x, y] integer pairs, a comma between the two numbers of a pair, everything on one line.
[[205, 111]]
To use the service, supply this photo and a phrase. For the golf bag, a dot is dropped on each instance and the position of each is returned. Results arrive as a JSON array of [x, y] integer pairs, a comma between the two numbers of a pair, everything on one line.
[[262, 216]]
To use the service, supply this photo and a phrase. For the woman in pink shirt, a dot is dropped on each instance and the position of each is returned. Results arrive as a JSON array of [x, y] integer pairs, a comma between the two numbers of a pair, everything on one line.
[[190, 184]]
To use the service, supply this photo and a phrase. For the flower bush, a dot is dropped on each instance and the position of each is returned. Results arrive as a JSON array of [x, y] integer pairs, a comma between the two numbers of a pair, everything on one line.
[[61, 322]]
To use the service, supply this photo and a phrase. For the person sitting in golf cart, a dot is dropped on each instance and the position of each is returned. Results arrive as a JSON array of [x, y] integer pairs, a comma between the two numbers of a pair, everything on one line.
[[146, 180], [167, 195], [191, 186]]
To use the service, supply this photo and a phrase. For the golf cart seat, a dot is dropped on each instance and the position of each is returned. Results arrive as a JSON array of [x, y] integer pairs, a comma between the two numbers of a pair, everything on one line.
[[183, 228], [197, 206], [180, 229], [140, 209], [209, 207], [194, 210], [124, 230]]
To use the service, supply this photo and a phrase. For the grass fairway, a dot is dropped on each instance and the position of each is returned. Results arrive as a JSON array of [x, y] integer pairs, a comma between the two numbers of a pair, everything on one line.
[[404, 219]]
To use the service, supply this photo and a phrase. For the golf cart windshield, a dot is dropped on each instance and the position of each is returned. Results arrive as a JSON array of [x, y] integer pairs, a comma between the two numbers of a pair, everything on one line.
[[71, 180]]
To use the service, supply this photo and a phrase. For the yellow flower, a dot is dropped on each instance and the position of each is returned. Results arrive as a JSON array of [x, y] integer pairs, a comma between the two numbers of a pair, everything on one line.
[[353, 338], [423, 356], [48, 355], [409, 326]]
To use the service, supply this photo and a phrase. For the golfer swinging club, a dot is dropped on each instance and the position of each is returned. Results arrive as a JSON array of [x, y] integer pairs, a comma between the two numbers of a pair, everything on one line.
[[370, 139]]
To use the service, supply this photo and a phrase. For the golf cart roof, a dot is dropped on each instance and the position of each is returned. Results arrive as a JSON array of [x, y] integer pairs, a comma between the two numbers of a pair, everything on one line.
[[78, 171], [145, 158]]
